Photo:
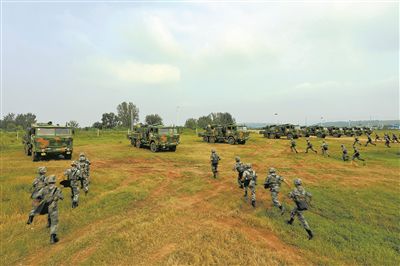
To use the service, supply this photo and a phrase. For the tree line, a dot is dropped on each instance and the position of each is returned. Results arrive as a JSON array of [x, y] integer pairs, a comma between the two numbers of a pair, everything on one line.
[[212, 118]]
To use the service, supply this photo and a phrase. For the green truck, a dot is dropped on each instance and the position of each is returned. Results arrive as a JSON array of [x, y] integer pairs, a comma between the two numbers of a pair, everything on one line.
[[335, 132], [155, 137], [278, 131], [45, 139], [317, 131], [232, 134]]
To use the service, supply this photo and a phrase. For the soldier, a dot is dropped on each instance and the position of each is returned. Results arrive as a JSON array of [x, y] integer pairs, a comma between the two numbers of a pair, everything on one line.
[[356, 155], [73, 175], [377, 137], [345, 155], [394, 138], [356, 141], [369, 141], [38, 183], [293, 145], [84, 167], [310, 147], [324, 148], [50, 195], [250, 181], [273, 182], [214, 158], [387, 140], [301, 198], [239, 167]]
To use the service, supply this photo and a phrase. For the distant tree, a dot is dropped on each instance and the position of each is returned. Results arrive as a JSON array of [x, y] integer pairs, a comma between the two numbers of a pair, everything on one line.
[[153, 119], [203, 121], [98, 125], [191, 123], [8, 119], [25, 120], [222, 118], [124, 110], [109, 120], [73, 124]]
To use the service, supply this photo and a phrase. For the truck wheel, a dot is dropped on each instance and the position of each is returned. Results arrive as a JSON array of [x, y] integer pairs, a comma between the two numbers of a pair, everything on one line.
[[67, 156], [211, 139], [133, 142], [231, 140], [35, 157], [289, 136], [153, 147], [138, 144], [205, 139], [172, 148], [243, 142]]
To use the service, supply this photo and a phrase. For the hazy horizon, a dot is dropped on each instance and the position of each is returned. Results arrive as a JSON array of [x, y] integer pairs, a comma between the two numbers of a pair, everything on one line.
[[75, 61]]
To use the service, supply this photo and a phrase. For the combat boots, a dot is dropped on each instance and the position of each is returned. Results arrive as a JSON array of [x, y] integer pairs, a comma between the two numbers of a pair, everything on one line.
[[30, 219], [290, 221], [310, 234], [253, 203], [53, 239]]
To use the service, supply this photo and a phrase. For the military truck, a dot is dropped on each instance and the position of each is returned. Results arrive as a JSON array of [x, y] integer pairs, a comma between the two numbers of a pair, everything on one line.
[[46, 139], [348, 131], [358, 131], [278, 131], [232, 134], [335, 131], [155, 137], [317, 131]]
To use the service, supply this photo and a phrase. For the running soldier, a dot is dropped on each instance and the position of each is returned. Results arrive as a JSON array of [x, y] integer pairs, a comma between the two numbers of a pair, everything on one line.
[[301, 198], [273, 182], [377, 137], [356, 141], [369, 141], [324, 148], [293, 145], [250, 181], [38, 183], [356, 155], [214, 158], [310, 147], [239, 167], [73, 176], [345, 155], [394, 138], [387, 140], [84, 167]]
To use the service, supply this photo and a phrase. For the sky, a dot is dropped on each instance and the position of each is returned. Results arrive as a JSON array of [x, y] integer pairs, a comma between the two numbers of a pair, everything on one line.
[[307, 62]]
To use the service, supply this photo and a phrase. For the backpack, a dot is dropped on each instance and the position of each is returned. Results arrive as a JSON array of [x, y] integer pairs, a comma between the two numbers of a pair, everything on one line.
[[301, 201]]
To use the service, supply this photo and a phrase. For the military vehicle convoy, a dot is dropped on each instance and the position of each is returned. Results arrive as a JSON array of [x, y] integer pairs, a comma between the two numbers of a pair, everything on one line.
[[155, 137], [44, 139], [317, 131], [335, 132], [232, 134], [278, 131]]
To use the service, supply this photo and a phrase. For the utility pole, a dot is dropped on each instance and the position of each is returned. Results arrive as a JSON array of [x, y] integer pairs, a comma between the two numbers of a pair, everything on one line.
[[132, 119]]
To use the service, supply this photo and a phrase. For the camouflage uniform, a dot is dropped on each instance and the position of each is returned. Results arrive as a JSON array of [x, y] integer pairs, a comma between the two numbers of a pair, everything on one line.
[[38, 183], [356, 155], [84, 167], [310, 147], [73, 175], [239, 167], [273, 182], [250, 181], [300, 198], [377, 137], [293, 145], [356, 141], [214, 158], [345, 155], [51, 194], [394, 138], [324, 148], [369, 141], [387, 140]]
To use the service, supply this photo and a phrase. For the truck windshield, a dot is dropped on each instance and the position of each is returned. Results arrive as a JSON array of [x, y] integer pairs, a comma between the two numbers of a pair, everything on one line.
[[170, 131], [45, 131], [63, 131]]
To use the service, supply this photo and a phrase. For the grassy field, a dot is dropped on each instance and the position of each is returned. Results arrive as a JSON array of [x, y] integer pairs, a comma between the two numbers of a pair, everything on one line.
[[164, 208]]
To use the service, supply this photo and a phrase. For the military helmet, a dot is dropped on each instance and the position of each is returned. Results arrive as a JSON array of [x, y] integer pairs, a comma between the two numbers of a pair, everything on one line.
[[42, 170], [272, 170], [52, 179], [249, 165], [74, 163], [81, 154], [212, 150], [341, 145], [237, 158], [297, 182]]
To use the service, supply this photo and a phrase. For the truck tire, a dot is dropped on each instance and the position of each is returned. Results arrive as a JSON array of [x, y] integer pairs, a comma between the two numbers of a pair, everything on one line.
[[153, 147], [67, 156], [231, 140], [173, 148], [138, 144], [289, 136], [205, 139], [35, 157], [133, 142], [211, 139]]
